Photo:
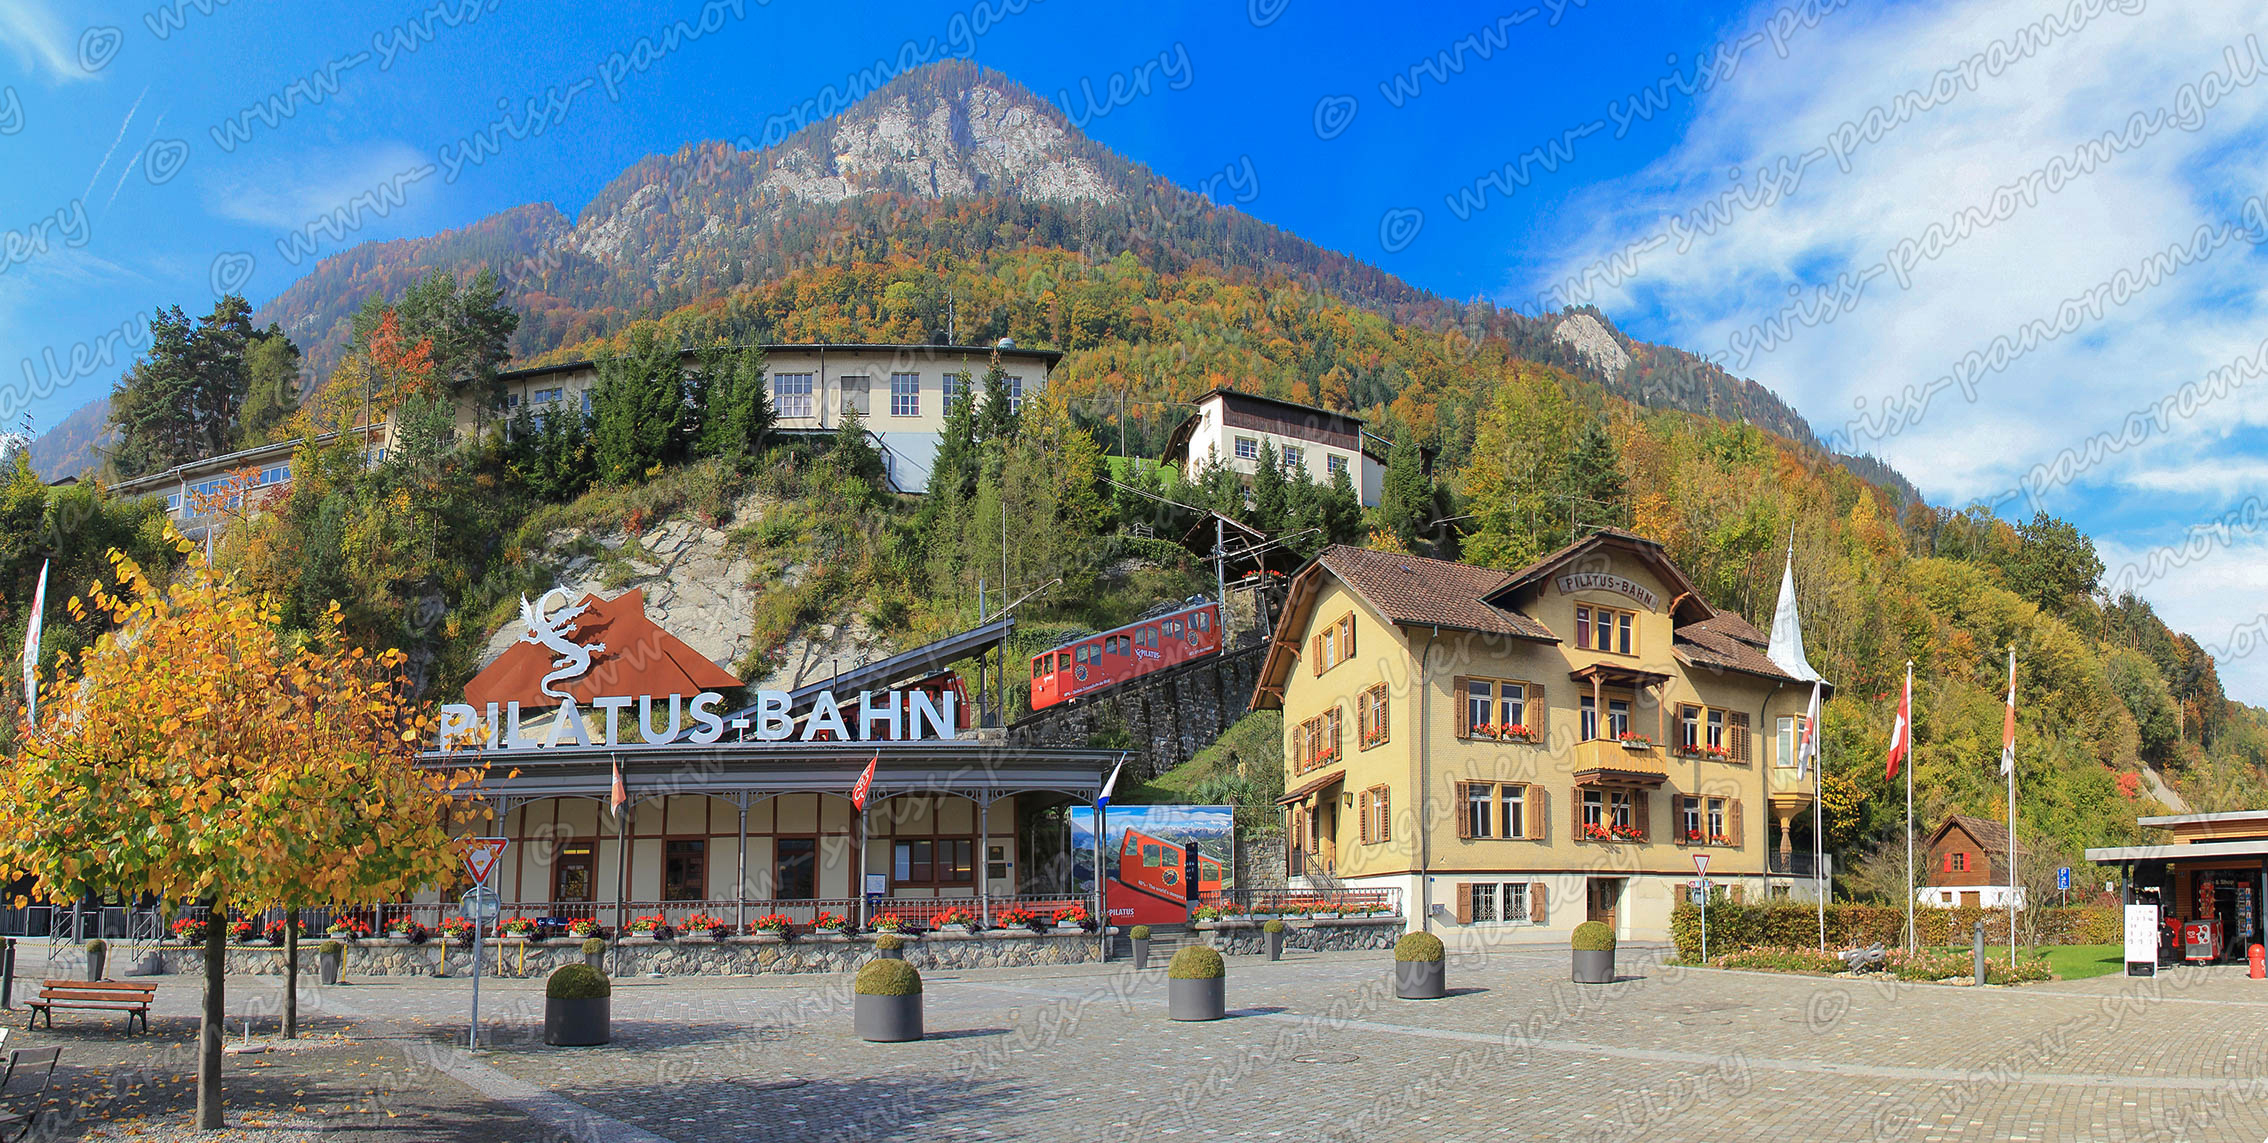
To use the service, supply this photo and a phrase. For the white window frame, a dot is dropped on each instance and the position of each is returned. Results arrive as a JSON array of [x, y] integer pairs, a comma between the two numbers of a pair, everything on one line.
[[905, 394], [1238, 448], [1294, 457], [792, 395], [1334, 464]]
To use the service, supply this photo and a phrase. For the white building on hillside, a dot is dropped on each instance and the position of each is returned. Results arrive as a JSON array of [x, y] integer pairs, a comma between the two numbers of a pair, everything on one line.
[[1233, 425]]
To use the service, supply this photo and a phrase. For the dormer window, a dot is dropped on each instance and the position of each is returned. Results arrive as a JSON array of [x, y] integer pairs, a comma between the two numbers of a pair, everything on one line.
[[1606, 629]]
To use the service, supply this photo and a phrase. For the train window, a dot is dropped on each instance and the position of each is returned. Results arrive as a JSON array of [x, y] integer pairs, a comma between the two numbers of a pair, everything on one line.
[[1204, 621], [1153, 856]]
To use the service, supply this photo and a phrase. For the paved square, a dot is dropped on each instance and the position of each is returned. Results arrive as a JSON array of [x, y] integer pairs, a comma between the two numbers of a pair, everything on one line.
[[1316, 1048]]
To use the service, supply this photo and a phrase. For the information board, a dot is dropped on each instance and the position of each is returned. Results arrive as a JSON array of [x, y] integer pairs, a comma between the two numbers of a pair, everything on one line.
[[2141, 940]]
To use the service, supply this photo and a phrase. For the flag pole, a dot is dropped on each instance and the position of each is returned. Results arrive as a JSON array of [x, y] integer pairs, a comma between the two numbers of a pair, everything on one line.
[[1819, 882], [2009, 764], [1909, 760]]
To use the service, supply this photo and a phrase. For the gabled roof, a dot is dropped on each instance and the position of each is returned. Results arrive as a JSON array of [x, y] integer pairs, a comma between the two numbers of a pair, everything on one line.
[[1990, 836], [640, 659], [1726, 642], [1685, 600], [1178, 441]]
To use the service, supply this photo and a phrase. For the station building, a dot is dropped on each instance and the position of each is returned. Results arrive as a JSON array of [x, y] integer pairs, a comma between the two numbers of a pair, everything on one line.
[[1524, 751]]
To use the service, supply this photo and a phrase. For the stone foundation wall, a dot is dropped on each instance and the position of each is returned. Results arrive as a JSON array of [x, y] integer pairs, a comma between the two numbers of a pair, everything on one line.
[[1245, 938], [642, 956]]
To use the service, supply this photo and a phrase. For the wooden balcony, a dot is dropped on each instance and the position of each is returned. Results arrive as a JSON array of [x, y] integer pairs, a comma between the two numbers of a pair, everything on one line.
[[1600, 762]]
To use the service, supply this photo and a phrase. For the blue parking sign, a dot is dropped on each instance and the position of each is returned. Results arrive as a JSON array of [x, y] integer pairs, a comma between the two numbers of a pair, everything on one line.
[[2063, 878]]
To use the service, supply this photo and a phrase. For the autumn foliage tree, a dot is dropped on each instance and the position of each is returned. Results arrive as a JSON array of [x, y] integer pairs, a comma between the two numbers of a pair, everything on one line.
[[198, 752]]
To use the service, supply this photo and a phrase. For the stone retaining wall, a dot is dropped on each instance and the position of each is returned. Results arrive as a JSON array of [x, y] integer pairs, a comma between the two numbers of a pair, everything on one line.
[[642, 956], [1245, 938]]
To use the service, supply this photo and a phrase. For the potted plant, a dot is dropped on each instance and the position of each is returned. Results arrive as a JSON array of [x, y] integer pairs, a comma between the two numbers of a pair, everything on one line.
[[1018, 918], [189, 930], [583, 928], [98, 951], [1071, 917], [836, 923], [1418, 967], [328, 960], [1594, 953], [1632, 740], [522, 928], [1195, 989], [1205, 913], [457, 930], [1274, 929], [956, 920], [890, 946], [770, 927], [410, 931], [715, 928], [350, 928], [1140, 935], [575, 1006], [243, 931], [651, 925], [888, 923], [594, 952], [888, 1007]]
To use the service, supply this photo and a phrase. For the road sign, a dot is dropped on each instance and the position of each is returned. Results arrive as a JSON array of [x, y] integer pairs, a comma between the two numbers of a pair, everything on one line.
[[1701, 864], [2063, 878], [481, 904], [481, 854]]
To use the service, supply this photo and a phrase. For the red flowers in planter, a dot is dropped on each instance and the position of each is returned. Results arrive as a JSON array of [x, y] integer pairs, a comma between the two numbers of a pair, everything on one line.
[[584, 927], [189, 930], [1071, 915], [833, 923], [777, 923], [652, 925], [717, 927], [243, 931], [1014, 918], [457, 929], [956, 916]]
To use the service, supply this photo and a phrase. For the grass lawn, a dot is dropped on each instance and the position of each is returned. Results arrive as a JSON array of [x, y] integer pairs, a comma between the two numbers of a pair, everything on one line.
[[2078, 962]]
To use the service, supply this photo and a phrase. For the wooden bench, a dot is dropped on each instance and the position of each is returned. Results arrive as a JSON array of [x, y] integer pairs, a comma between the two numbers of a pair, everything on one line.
[[42, 1061], [95, 995]]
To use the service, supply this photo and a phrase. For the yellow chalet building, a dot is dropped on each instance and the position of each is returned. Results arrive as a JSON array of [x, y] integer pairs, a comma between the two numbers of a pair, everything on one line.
[[1519, 752]]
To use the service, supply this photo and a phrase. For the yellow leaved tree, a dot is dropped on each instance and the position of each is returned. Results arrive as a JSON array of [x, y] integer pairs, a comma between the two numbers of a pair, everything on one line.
[[199, 752]]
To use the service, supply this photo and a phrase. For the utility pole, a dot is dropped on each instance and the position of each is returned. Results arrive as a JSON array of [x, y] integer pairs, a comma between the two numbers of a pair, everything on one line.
[[1220, 572]]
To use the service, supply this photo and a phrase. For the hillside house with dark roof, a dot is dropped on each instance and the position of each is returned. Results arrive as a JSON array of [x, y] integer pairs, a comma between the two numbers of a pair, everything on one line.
[[1231, 427]]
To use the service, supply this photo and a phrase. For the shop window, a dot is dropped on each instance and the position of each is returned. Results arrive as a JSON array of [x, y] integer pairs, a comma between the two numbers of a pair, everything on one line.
[[685, 869], [933, 861], [796, 875]]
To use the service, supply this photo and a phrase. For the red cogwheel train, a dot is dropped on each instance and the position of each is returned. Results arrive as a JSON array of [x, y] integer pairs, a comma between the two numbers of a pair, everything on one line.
[[1122, 654]]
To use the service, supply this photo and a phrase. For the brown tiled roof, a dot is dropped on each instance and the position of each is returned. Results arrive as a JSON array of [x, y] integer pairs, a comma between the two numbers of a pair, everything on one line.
[[1728, 623], [1428, 592], [1715, 645], [1991, 836], [1300, 794]]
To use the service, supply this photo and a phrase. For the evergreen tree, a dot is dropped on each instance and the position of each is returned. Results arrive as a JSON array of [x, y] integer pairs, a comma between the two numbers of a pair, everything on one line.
[[1339, 510], [1599, 498], [1270, 498], [854, 454], [1406, 500], [735, 403], [1515, 482], [271, 367], [996, 421], [953, 472], [470, 326], [639, 411], [183, 400]]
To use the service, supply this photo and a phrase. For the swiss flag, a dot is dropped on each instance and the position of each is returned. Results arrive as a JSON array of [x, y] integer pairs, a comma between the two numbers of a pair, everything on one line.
[[1902, 735], [865, 783]]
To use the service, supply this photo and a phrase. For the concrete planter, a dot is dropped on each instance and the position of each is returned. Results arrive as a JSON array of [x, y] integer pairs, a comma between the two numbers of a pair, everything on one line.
[[888, 1019], [1275, 945], [579, 1023], [1421, 979], [1594, 966], [96, 961], [596, 960], [1141, 954], [327, 965], [1197, 999], [889, 954]]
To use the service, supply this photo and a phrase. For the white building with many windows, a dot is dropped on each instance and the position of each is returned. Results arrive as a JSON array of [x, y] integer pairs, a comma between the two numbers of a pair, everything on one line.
[[1233, 426], [902, 391]]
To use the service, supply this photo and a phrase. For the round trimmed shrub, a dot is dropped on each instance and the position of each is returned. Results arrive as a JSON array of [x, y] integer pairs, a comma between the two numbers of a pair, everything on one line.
[[888, 978], [1419, 946], [333, 948], [1196, 962], [888, 942], [593, 946], [577, 982], [1273, 926], [96, 945], [1139, 933], [1593, 936]]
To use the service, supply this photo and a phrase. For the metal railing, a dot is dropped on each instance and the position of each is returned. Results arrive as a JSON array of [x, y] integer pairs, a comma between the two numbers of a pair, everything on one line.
[[553, 917], [1796, 864], [1336, 900]]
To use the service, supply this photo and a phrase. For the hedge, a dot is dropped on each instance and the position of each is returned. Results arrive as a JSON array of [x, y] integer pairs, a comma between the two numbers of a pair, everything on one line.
[[1794, 924]]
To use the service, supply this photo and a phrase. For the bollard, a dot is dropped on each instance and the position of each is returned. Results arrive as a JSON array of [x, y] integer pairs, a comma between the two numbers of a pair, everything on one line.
[[2259, 964], [1980, 952], [7, 972]]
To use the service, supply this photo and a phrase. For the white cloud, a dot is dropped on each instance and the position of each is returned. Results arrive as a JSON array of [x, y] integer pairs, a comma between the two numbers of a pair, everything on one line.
[[1946, 152], [39, 40], [287, 195], [2211, 599]]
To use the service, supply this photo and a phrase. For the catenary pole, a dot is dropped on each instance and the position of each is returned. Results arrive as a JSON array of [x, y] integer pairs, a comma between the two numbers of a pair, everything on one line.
[[2012, 816], [1910, 934], [1819, 880]]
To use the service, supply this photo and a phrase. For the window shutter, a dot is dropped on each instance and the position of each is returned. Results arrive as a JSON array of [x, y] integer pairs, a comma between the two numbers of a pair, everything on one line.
[[1733, 827], [1362, 817], [1385, 815], [1736, 734], [1346, 637], [1538, 715], [1464, 902], [1336, 733], [1464, 806], [1539, 804], [1641, 798], [1575, 814], [1462, 687], [1536, 910], [1315, 652], [1378, 715]]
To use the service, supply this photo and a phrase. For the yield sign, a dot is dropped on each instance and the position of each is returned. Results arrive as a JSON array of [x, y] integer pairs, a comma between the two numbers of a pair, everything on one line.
[[1701, 864], [481, 854]]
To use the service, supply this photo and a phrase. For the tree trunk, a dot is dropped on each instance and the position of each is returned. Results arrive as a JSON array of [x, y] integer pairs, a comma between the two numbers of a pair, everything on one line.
[[216, 1014], [291, 975]]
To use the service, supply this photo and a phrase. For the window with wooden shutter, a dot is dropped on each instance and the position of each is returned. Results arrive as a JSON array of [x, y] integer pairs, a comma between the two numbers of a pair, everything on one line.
[[1537, 913], [1735, 834], [1736, 726], [1575, 818], [1362, 817], [1385, 816], [1346, 637], [1539, 715], [1370, 717], [1642, 798], [1539, 810], [1334, 734], [1459, 688], [1463, 800], [1315, 653], [1464, 902]]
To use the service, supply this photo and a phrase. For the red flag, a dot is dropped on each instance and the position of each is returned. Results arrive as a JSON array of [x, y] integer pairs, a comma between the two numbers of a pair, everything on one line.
[[621, 792], [2008, 727], [1902, 735], [865, 783]]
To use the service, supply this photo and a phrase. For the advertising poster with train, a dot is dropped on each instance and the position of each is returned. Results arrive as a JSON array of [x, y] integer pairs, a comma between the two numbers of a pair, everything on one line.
[[1160, 860]]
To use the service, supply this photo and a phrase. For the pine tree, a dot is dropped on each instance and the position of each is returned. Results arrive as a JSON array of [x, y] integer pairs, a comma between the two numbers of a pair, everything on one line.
[[1406, 500], [735, 403], [997, 420], [639, 410], [1597, 493], [1270, 500]]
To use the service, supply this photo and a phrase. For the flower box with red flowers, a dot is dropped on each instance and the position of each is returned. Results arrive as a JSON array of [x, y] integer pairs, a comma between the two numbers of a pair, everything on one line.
[[585, 927], [773, 925], [1016, 918], [888, 923], [243, 932], [1628, 833], [1071, 917], [275, 933], [834, 923], [457, 930], [189, 930], [1592, 831], [1634, 741], [704, 924], [956, 918], [410, 931], [349, 928], [1719, 839], [523, 928], [651, 925], [1695, 837]]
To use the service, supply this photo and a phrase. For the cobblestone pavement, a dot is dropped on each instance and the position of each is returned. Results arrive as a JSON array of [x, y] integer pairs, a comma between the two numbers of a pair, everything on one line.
[[1316, 1048]]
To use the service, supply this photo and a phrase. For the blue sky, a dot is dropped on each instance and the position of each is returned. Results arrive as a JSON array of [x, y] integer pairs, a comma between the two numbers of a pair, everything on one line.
[[1988, 212]]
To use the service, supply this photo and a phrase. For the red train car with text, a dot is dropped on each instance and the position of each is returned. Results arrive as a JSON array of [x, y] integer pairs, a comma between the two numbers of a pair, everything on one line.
[[1152, 873], [1122, 654]]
